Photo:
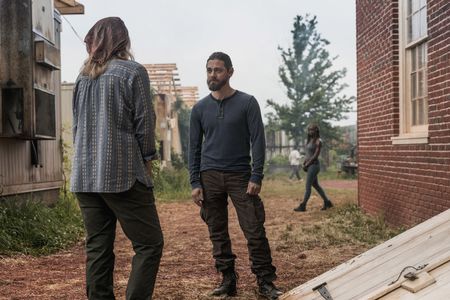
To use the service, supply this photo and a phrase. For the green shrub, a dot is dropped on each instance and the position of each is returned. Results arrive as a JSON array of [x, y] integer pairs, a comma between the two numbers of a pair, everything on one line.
[[279, 160], [172, 184], [34, 228]]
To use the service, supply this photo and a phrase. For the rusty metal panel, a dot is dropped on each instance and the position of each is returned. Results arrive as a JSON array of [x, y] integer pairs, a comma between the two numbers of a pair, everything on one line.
[[16, 55], [46, 81], [16, 171], [15, 167]]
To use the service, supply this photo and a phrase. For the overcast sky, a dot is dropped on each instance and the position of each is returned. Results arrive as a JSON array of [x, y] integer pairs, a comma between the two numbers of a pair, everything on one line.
[[250, 31]]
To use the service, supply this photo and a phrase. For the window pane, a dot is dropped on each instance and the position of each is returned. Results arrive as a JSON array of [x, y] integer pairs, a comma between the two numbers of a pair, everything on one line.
[[425, 110], [420, 83], [409, 31], [425, 53], [414, 112], [420, 56], [423, 22], [423, 3], [420, 111], [415, 5], [413, 86], [414, 59], [415, 26]]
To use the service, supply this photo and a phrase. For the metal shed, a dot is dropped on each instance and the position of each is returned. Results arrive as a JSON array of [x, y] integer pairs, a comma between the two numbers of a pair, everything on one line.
[[30, 97]]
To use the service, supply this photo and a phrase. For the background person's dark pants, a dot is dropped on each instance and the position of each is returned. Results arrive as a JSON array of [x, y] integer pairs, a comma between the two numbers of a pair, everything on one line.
[[136, 211], [250, 211], [295, 172], [312, 181]]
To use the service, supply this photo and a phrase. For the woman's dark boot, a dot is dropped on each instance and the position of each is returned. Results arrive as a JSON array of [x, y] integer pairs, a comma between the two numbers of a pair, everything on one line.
[[326, 205], [301, 207], [228, 285]]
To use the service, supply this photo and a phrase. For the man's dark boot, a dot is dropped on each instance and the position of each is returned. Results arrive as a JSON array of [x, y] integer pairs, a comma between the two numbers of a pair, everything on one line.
[[268, 290], [301, 207], [228, 285], [326, 205]]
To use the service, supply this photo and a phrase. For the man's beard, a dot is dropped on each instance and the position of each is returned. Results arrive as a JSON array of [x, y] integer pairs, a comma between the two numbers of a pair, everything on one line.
[[217, 85]]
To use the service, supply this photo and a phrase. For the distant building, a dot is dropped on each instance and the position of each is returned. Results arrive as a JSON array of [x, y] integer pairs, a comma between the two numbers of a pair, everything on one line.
[[189, 95], [164, 80], [403, 54]]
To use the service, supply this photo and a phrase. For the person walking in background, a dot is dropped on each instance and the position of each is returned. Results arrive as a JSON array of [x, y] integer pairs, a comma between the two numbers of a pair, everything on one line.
[[294, 161], [311, 166], [114, 143], [224, 126]]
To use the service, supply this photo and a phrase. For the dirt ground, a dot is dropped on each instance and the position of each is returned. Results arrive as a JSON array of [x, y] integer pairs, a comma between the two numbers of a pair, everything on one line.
[[187, 269]]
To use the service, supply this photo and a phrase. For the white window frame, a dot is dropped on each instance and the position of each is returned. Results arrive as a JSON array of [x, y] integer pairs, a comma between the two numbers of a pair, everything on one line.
[[408, 134]]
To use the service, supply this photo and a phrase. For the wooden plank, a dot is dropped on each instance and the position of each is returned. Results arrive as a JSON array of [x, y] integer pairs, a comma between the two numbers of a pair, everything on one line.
[[434, 263], [359, 268], [372, 280], [439, 290], [31, 187], [382, 272], [66, 2], [365, 267], [423, 280], [69, 10]]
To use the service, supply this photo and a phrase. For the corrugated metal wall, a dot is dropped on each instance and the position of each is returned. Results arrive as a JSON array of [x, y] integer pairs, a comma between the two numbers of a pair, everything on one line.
[[18, 175], [33, 21]]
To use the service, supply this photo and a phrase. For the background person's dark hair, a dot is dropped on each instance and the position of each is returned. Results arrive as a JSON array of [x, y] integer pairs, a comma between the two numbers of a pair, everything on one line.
[[316, 133], [223, 57]]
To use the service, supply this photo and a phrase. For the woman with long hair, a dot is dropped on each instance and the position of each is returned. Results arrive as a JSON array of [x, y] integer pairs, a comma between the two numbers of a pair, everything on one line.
[[114, 143], [311, 166]]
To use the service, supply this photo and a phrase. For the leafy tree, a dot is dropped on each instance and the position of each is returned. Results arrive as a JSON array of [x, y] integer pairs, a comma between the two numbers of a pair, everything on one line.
[[314, 90]]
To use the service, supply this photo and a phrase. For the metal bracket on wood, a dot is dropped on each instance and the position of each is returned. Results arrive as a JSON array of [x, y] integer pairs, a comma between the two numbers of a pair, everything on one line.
[[323, 291]]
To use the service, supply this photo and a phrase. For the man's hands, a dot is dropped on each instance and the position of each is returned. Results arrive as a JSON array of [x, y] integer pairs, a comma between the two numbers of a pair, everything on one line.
[[253, 189], [306, 165], [197, 196]]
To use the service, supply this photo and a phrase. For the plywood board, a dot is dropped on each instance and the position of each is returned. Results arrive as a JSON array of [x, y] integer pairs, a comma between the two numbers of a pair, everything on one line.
[[373, 270]]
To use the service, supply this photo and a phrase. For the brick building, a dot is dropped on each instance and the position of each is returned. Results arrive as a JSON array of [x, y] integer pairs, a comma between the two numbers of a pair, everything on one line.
[[403, 64]]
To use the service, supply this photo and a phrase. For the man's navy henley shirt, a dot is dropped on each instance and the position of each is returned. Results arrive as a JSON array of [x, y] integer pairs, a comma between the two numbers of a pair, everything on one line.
[[222, 133]]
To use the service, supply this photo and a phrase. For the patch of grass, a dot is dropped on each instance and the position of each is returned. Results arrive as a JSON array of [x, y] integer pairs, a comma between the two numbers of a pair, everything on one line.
[[275, 187], [345, 224], [172, 185], [330, 174], [370, 230], [30, 227], [333, 173]]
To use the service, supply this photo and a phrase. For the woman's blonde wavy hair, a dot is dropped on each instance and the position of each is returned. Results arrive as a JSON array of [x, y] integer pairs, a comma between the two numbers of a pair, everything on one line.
[[107, 40], [93, 69]]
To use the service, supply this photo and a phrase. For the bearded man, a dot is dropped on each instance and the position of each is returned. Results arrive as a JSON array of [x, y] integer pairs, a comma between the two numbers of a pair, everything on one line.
[[224, 127]]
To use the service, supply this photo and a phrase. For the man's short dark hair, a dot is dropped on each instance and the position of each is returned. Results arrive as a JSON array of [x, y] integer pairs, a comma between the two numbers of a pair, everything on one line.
[[223, 57]]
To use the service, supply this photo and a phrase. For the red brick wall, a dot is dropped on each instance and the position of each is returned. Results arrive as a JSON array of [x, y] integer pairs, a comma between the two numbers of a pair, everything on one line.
[[406, 183]]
